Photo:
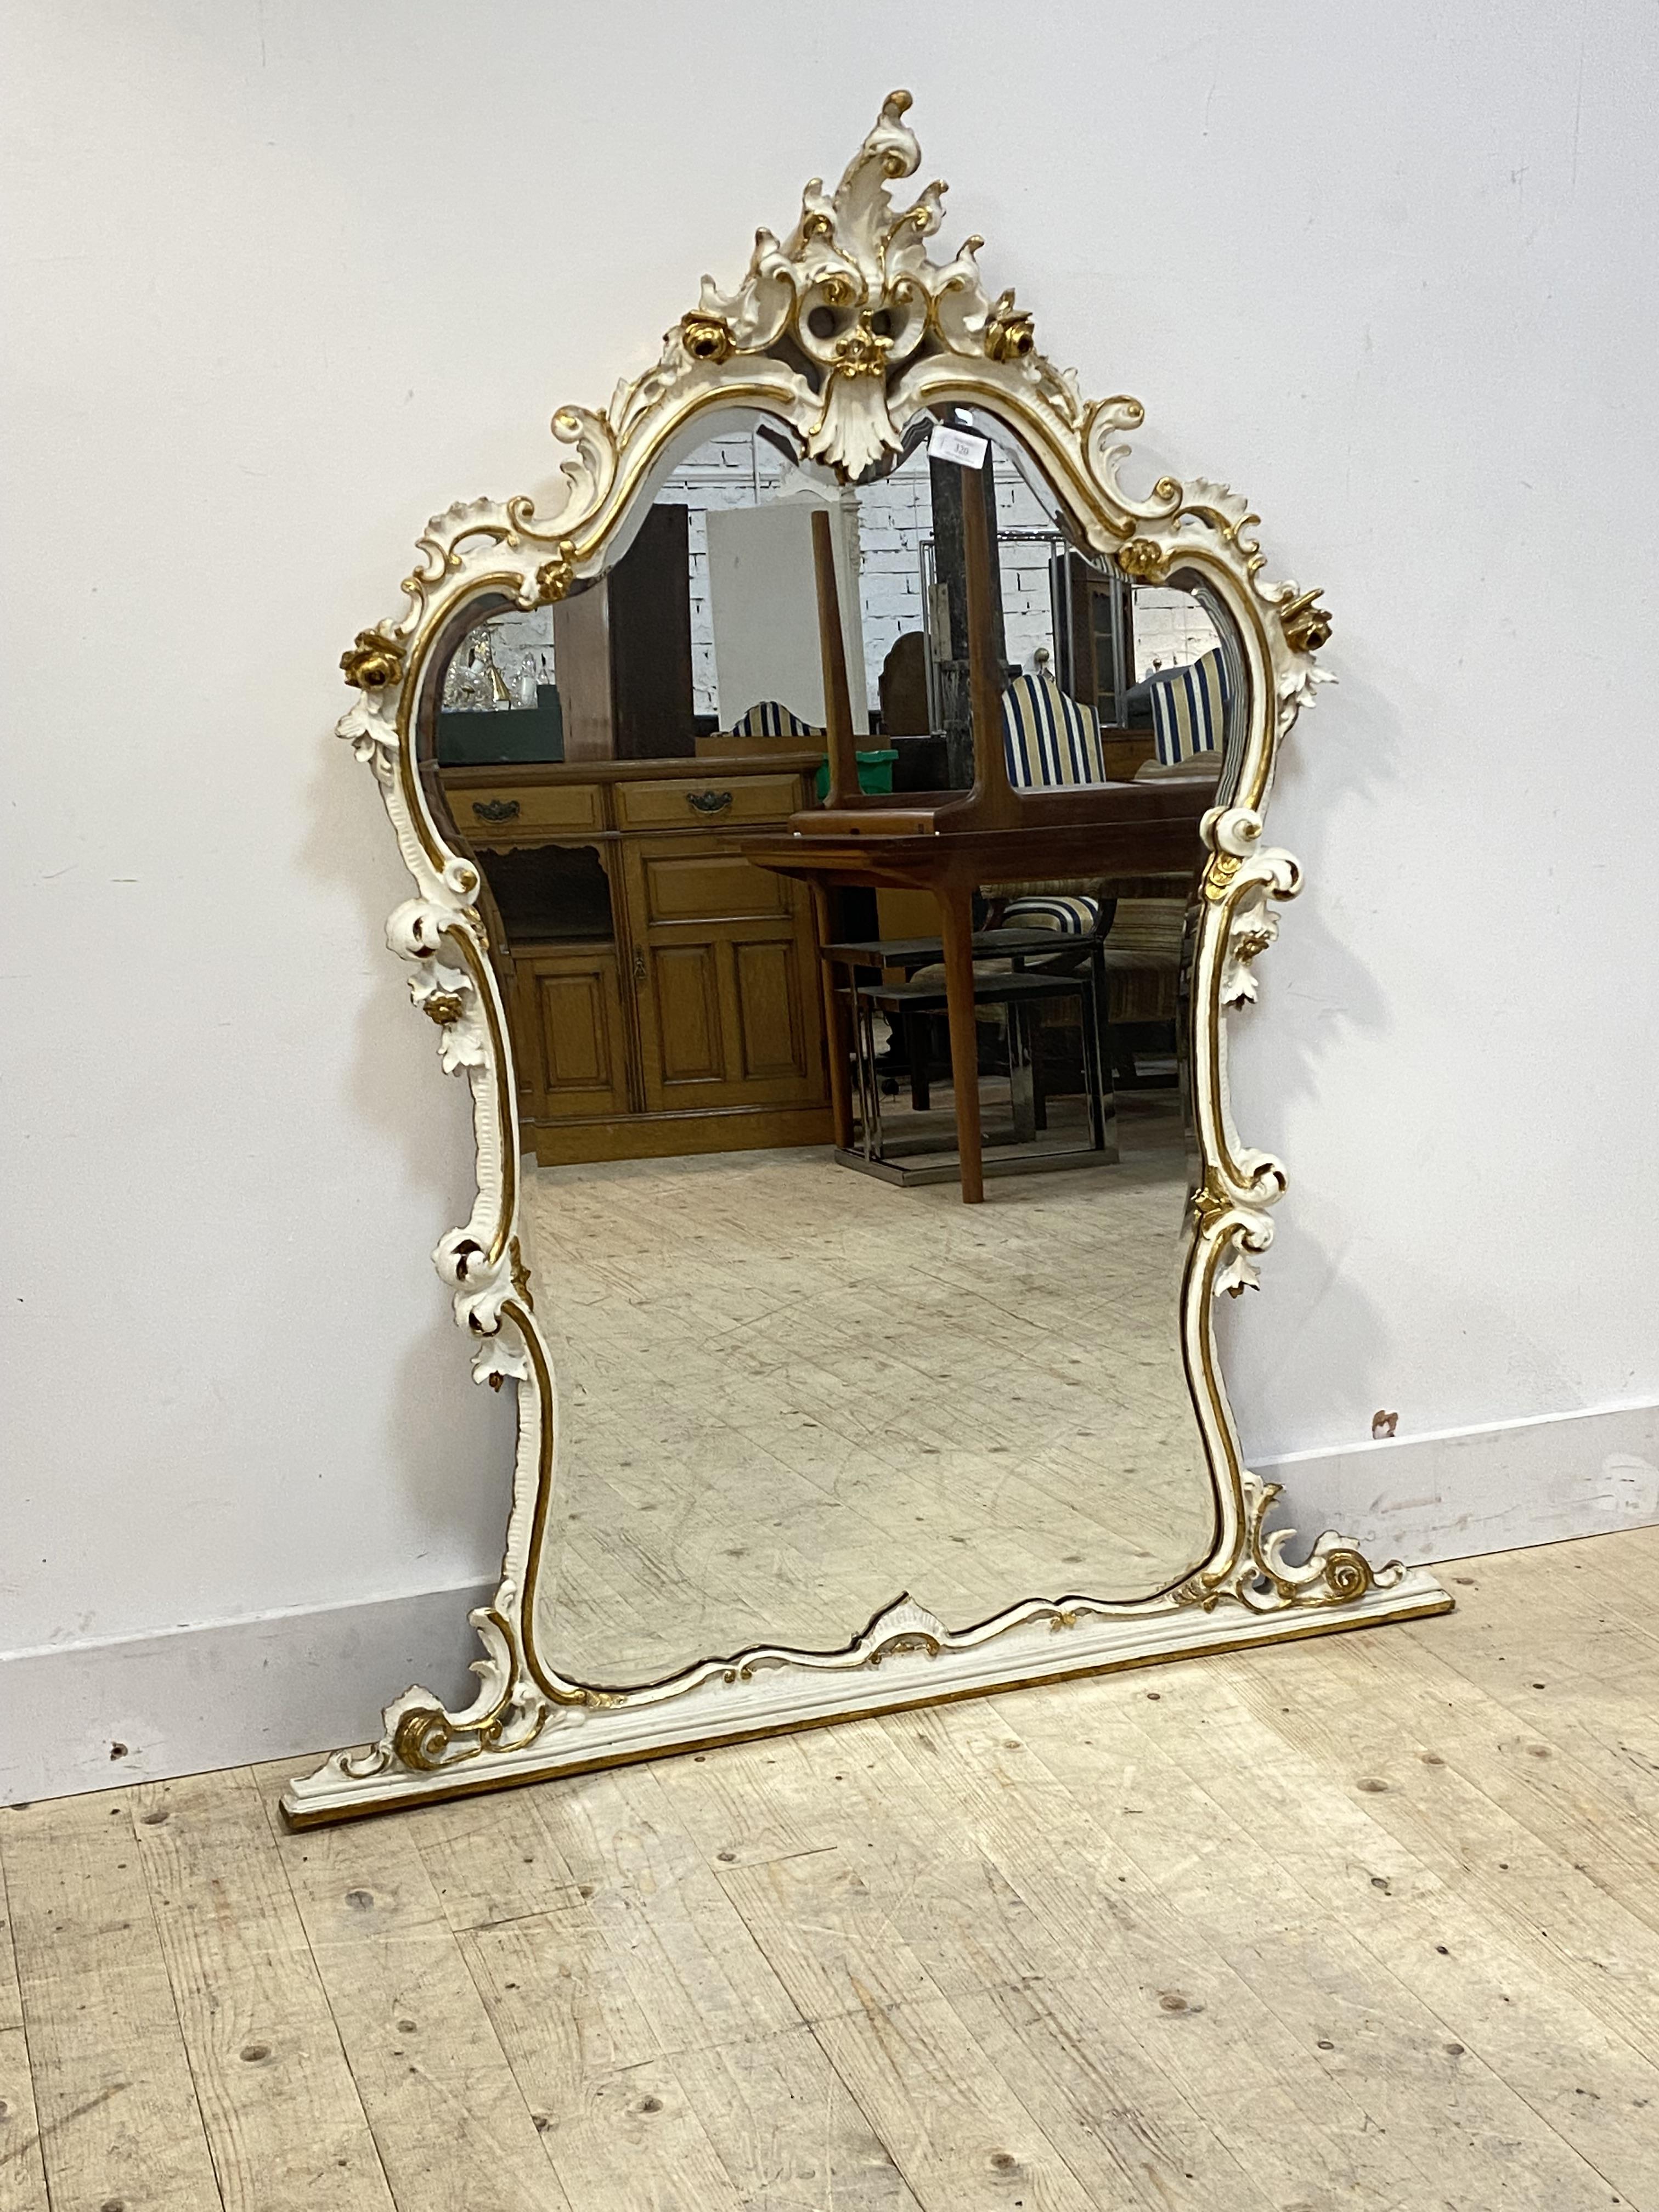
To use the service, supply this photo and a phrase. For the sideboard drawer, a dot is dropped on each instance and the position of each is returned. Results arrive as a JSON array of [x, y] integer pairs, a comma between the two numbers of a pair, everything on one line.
[[511, 808], [688, 802]]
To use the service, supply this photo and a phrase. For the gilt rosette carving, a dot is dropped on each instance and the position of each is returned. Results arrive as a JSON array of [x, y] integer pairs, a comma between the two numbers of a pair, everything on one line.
[[508, 1714]]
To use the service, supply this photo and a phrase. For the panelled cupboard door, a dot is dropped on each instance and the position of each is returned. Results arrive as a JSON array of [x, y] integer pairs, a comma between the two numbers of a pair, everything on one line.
[[570, 1010], [725, 978]]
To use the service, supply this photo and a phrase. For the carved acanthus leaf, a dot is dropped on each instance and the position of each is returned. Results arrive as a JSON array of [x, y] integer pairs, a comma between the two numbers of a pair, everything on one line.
[[1252, 926], [371, 734]]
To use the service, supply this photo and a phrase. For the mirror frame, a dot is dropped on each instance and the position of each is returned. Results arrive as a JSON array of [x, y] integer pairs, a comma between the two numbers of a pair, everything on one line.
[[847, 397]]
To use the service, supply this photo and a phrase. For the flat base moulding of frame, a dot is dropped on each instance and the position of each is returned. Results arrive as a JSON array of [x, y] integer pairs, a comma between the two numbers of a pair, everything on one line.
[[903, 1664]]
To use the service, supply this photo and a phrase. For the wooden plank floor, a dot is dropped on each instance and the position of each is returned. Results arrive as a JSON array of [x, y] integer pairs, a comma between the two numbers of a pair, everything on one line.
[[1370, 1923]]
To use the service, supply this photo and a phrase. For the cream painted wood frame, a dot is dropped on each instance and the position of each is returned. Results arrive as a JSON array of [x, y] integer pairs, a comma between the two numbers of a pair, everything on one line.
[[905, 334]]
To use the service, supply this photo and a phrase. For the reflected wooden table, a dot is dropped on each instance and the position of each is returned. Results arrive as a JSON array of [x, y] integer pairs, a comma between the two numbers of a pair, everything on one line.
[[952, 842], [1133, 829]]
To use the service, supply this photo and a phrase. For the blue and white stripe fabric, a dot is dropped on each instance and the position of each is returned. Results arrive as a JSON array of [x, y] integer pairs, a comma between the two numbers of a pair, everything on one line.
[[1047, 739], [1066, 916], [1189, 706], [770, 719], [1235, 687]]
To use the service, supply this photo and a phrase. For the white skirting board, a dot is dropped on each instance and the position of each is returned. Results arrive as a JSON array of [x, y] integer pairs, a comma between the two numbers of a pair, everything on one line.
[[1500, 1487], [80, 1716], [293, 1684]]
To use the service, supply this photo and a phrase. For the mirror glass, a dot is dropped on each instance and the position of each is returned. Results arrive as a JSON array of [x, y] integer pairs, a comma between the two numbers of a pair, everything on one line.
[[799, 1380]]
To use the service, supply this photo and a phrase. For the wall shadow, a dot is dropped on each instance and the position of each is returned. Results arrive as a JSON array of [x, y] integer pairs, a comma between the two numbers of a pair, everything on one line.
[[450, 1440]]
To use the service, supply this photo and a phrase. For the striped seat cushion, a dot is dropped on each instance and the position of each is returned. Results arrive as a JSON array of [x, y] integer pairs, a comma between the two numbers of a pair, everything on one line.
[[1189, 707], [1066, 916], [1143, 959], [1048, 738], [770, 719]]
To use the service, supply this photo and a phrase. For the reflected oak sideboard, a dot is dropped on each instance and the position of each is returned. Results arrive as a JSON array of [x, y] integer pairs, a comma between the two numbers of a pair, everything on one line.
[[663, 993]]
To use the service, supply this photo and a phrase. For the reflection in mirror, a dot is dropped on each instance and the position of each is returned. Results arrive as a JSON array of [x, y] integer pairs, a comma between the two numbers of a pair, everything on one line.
[[798, 1380]]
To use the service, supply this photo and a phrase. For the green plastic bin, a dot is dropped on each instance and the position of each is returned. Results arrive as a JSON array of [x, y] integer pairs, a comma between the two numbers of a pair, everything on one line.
[[875, 773]]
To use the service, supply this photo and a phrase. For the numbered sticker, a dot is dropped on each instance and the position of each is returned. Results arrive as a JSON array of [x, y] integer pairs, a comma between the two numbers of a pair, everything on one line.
[[959, 446]]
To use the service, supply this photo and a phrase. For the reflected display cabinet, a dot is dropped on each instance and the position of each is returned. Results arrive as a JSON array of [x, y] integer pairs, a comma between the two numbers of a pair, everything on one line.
[[662, 993]]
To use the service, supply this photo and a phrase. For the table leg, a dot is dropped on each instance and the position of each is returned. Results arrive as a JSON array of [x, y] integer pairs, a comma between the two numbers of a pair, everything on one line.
[[834, 1029], [1021, 1075], [1103, 1101], [957, 919], [863, 1045], [918, 1041]]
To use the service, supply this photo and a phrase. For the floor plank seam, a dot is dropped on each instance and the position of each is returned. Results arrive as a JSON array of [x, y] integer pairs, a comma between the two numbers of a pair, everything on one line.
[[1336, 2083], [214, 2158], [279, 1837], [38, 2140]]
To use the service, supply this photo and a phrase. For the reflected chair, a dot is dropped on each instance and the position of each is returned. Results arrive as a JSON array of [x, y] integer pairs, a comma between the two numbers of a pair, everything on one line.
[[951, 843], [771, 719], [1190, 707], [1049, 742]]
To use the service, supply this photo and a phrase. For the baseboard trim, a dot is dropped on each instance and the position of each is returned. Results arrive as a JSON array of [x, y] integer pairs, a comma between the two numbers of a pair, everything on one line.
[[83, 1716], [1498, 1488]]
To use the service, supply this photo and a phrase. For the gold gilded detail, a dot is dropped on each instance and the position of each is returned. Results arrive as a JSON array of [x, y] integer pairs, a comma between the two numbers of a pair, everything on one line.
[[472, 951], [1010, 334], [914, 1640], [428, 1740], [1307, 627], [422, 1736], [443, 1007], [707, 337], [863, 351], [1142, 560], [1210, 1201], [373, 662], [1249, 943], [1334, 1572], [555, 577], [1347, 1573], [1218, 875], [521, 1273]]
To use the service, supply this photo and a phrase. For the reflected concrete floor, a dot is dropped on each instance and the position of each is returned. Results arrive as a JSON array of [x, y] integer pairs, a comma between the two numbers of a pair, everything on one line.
[[791, 1394]]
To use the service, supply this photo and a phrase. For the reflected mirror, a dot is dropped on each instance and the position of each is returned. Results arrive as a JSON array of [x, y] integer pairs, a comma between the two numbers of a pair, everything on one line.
[[799, 1382]]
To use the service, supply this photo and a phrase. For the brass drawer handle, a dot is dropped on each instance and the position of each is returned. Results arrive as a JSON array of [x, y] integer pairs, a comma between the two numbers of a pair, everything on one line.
[[496, 810], [639, 965], [708, 802]]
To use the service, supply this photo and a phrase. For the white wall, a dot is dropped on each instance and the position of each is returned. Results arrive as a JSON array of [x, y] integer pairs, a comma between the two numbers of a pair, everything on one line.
[[291, 276]]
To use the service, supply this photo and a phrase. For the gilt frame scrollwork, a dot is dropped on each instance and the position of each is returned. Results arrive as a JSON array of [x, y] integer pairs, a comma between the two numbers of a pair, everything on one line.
[[843, 333]]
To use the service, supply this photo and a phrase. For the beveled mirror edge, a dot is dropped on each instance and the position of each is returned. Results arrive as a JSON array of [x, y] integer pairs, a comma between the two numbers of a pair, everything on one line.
[[956, 345]]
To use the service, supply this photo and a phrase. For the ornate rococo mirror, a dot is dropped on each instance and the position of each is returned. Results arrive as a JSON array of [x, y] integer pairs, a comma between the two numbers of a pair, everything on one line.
[[852, 793]]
